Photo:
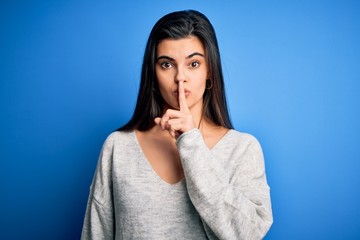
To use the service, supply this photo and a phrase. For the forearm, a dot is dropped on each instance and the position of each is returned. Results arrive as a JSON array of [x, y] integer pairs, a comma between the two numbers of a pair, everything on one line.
[[236, 207]]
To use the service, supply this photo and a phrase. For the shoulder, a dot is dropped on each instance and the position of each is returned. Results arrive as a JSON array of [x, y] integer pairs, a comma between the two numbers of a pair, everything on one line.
[[113, 144], [247, 148], [117, 137], [244, 145], [241, 138]]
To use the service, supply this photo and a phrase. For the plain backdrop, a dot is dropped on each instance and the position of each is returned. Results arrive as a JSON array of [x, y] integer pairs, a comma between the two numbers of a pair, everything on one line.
[[69, 76]]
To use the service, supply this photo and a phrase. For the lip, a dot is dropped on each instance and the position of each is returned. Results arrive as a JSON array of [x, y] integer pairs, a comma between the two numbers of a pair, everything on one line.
[[176, 92]]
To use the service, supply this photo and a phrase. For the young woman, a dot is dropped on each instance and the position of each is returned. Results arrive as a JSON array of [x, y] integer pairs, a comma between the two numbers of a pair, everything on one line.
[[177, 169]]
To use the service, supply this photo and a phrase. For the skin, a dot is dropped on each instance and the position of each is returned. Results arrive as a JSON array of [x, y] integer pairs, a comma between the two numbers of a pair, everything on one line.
[[181, 70]]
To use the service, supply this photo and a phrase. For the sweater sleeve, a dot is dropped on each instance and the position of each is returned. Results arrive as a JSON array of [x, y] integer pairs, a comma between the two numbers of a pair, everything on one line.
[[99, 218], [234, 204]]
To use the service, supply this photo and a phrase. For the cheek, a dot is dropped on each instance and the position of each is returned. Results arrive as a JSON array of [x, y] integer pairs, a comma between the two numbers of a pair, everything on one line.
[[202, 76], [201, 81], [161, 81], [164, 78], [165, 86]]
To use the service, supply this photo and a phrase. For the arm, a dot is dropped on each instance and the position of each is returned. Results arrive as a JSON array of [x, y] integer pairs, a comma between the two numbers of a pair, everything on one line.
[[236, 205], [99, 220]]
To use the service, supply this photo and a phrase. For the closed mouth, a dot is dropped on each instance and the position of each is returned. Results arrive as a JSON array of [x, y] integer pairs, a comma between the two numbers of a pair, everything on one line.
[[177, 92]]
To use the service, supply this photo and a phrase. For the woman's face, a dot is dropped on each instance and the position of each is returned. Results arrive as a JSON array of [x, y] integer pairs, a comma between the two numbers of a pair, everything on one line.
[[181, 60]]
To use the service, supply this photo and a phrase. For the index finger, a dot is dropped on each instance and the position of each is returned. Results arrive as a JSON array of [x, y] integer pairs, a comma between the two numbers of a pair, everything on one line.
[[182, 98]]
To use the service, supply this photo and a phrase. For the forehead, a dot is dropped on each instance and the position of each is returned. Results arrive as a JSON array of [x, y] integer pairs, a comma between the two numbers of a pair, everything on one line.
[[179, 48]]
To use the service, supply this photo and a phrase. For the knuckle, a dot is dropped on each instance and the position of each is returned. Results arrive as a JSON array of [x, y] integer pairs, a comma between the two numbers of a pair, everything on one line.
[[169, 111]]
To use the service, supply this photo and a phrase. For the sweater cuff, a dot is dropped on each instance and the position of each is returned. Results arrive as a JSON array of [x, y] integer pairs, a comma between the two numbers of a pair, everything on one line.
[[188, 137]]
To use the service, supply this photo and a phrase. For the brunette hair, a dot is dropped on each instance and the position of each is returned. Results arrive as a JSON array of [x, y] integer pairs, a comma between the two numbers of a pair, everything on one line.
[[150, 104]]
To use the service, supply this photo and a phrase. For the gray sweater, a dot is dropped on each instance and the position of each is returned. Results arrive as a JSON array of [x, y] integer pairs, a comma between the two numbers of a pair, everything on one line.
[[224, 194]]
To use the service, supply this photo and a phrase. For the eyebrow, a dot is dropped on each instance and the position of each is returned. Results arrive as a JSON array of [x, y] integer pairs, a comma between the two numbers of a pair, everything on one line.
[[188, 57]]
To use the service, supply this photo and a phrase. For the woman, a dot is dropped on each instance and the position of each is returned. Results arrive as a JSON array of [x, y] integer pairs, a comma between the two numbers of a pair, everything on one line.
[[177, 169]]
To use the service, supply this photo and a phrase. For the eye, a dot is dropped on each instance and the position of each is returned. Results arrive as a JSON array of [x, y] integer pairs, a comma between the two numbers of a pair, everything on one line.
[[165, 65], [194, 64]]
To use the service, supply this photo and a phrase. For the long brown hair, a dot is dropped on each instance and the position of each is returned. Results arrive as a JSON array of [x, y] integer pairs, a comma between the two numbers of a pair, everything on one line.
[[150, 104]]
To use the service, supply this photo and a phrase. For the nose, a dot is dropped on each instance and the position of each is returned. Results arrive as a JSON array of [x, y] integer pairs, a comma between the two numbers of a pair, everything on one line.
[[180, 75]]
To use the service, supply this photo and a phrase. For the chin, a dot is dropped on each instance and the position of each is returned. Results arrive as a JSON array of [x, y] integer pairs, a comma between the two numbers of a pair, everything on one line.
[[171, 105]]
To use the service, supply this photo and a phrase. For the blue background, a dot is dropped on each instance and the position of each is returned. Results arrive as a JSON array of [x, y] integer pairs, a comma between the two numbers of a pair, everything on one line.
[[69, 75]]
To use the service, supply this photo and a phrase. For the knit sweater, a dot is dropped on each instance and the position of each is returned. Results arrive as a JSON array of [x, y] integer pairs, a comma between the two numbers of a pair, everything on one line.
[[224, 194]]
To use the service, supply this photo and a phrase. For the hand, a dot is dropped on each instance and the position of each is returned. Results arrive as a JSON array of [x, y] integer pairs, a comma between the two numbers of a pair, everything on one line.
[[177, 121]]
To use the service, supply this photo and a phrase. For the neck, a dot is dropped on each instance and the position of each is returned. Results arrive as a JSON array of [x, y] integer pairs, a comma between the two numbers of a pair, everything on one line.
[[197, 114]]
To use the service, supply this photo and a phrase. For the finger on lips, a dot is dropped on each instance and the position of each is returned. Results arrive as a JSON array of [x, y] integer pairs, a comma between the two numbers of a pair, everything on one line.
[[182, 98], [172, 120]]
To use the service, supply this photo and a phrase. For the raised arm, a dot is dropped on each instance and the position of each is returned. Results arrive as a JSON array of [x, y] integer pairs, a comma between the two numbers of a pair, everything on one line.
[[233, 200]]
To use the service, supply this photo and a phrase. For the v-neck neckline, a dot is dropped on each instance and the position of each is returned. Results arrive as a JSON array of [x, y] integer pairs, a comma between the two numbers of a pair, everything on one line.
[[152, 170], [220, 140]]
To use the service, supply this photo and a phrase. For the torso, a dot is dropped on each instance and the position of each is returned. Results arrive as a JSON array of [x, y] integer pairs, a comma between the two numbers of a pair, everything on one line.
[[161, 152]]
